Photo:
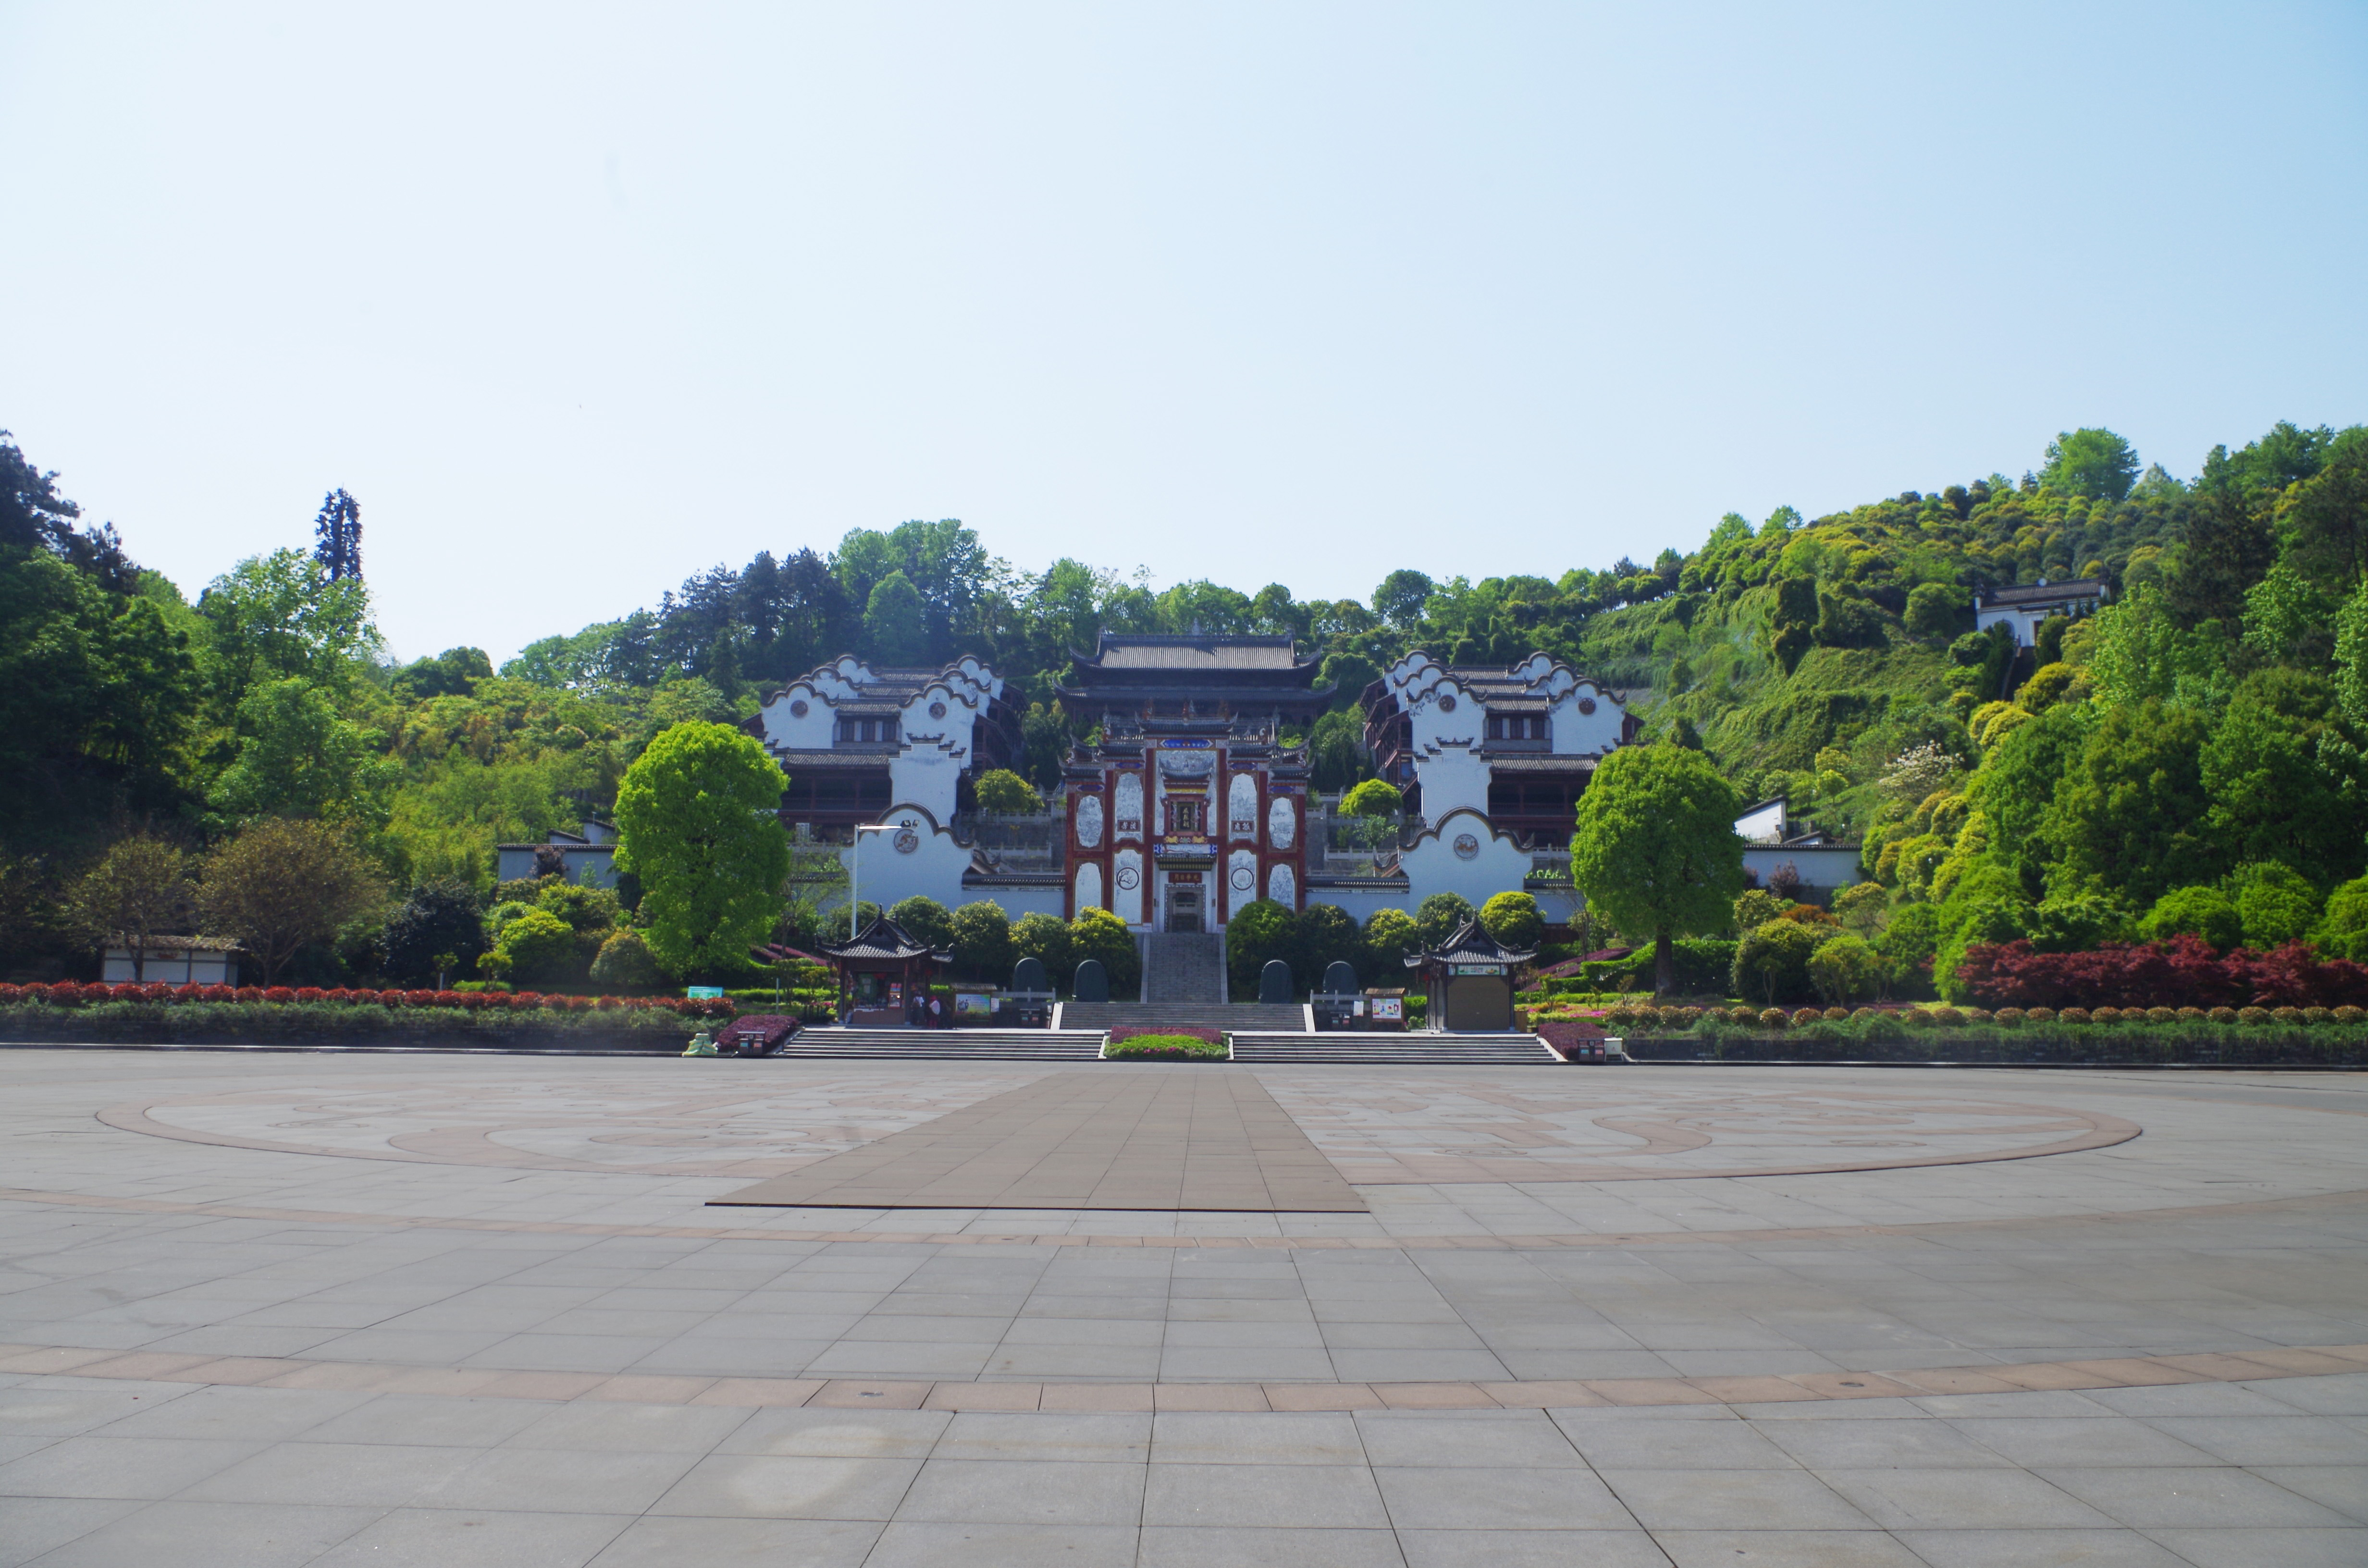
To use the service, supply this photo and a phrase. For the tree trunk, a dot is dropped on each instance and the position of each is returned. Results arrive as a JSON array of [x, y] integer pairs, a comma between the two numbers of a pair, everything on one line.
[[1665, 965]]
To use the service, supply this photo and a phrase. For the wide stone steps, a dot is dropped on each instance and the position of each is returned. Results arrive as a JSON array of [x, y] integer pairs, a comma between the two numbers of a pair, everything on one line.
[[1274, 1018], [948, 1045], [1182, 966], [1394, 1049]]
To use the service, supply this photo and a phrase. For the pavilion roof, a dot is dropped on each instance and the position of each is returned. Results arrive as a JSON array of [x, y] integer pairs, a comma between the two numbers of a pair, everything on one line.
[[883, 938], [1470, 944]]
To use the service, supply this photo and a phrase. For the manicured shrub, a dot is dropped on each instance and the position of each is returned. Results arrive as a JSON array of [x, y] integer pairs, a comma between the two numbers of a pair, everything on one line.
[[2316, 1016], [2040, 1015], [2166, 1015], [2184, 971], [2223, 1014], [1774, 1017], [2106, 1015], [1977, 1015], [1165, 1048], [2286, 1015], [2349, 1015], [1948, 1017], [1807, 1015], [2009, 1016], [2201, 912], [2252, 1014], [2073, 1015], [2191, 1014]]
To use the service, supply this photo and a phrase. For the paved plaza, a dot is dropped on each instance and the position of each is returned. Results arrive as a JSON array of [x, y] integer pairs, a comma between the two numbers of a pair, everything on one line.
[[282, 1308]]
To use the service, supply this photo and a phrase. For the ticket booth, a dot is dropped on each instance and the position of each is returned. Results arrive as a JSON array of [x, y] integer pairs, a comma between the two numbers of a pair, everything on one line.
[[884, 977], [1469, 982]]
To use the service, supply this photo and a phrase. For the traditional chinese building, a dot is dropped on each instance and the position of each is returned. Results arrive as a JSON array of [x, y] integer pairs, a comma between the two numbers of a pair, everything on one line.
[[1185, 805], [858, 743]]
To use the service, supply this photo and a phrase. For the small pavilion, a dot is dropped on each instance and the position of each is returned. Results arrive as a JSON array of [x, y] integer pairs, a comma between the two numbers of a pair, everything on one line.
[[1469, 978], [884, 976]]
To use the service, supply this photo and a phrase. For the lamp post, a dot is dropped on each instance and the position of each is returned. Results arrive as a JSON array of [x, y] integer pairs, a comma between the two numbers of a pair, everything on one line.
[[854, 879]]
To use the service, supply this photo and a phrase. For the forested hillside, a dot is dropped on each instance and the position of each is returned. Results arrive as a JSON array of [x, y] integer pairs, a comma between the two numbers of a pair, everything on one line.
[[2205, 729]]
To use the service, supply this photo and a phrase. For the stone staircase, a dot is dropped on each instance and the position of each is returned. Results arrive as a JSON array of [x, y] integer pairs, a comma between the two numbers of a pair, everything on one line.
[[1417, 1049], [1182, 1015], [1184, 967], [947, 1045]]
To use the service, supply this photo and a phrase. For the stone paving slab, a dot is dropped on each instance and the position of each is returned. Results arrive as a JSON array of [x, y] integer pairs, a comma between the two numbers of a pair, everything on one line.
[[1205, 1141]]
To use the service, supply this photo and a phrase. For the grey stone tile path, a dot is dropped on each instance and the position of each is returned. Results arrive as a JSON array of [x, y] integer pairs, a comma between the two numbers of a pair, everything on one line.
[[1089, 1138], [512, 1331]]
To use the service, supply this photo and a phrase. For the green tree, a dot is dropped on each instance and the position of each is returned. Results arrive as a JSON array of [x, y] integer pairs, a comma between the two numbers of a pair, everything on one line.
[[1045, 937], [438, 928], [2131, 816], [1099, 934], [696, 824], [2328, 525], [1000, 789], [537, 948], [625, 963], [983, 948], [925, 920], [1936, 611], [1373, 798], [2275, 903], [2092, 462], [285, 884], [1513, 919], [1327, 935], [1260, 931], [2272, 796], [2343, 929], [1390, 934], [1845, 969], [140, 890], [2204, 912], [895, 624], [1401, 598], [300, 758], [282, 616], [1771, 962], [1909, 945], [1655, 848], [1441, 915]]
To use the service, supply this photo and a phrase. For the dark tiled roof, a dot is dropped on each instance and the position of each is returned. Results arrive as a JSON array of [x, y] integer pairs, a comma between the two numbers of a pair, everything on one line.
[[1194, 654], [1583, 762], [883, 938], [2045, 593], [1471, 944]]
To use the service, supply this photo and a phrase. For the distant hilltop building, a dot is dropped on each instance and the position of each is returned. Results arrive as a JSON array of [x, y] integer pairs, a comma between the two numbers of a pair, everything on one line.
[[2024, 607]]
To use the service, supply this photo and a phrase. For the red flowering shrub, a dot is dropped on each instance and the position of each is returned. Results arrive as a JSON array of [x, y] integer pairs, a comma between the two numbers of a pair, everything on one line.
[[2184, 972], [279, 993], [250, 992], [11, 993], [607, 1004], [310, 994], [219, 993], [451, 998], [469, 1001]]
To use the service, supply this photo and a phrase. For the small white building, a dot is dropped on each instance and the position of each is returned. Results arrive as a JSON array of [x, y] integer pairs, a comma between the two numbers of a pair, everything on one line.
[[1819, 859], [2022, 608], [174, 961], [589, 858]]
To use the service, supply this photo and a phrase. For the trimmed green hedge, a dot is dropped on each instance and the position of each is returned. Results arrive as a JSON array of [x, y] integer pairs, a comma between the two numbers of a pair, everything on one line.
[[1165, 1048], [154, 1023]]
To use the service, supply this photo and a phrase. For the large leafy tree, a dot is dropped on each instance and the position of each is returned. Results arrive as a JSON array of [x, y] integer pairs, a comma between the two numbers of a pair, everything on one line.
[[2095, 464], [284, 885], [1655, 848], [696, 823], [300, 758], [2132, 814], [140, 890]]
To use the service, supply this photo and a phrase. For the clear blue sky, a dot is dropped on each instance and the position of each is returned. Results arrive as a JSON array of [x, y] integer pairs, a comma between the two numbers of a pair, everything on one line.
[[581, 300]]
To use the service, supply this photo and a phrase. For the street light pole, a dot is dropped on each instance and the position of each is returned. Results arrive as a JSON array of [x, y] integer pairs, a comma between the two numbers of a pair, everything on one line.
[[854, 878]]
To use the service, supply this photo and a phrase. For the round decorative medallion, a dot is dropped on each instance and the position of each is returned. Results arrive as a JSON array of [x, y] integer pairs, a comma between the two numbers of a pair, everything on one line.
[[1586, 704], [1447, 705], [1467, 847], [800, 709], [936, 710], [1129, 878], [906, 840], [1244, 879]]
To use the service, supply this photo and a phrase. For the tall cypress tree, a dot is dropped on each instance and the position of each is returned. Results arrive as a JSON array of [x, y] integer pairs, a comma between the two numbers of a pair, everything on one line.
[[338, 530]]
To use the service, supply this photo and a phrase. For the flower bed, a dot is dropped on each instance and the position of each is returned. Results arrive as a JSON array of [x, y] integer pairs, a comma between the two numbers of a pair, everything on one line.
[[1170, 1031], [69, 994], [1150, 1045], [104, 1016], [2183, 971]]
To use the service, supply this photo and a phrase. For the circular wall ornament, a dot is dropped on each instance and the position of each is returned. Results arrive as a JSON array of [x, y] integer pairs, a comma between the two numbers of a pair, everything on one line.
[[1244, 879], [1586, 704], [936, 710], [1129, 878], [1447, 705], [1467, 847], [800, 709], [906, 840]]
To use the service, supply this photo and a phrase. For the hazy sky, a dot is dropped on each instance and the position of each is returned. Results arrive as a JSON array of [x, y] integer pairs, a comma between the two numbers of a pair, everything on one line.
[[581, 300]]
